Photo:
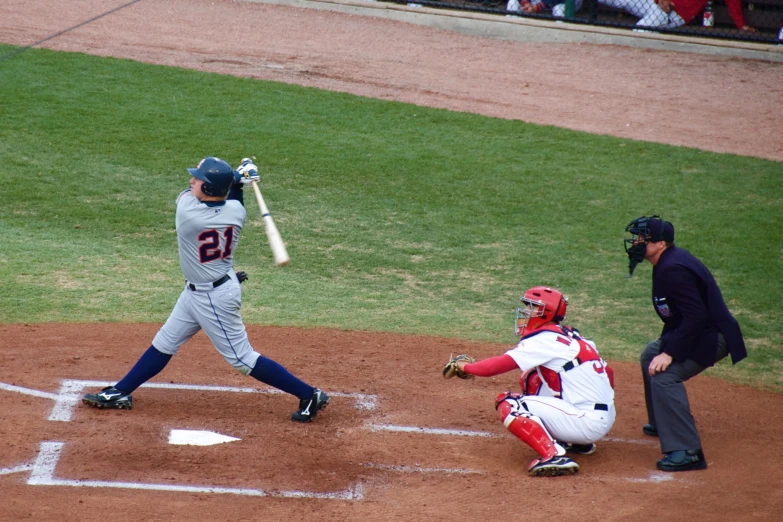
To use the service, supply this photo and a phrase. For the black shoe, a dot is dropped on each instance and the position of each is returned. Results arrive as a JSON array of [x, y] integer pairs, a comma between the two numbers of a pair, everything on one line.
[[682, 460], [650, 429], [553, 467], [581, 449], [309, 408], [110, 398]]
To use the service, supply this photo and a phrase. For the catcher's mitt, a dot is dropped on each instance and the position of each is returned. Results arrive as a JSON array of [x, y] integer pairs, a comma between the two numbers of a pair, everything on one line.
[[452, 370]]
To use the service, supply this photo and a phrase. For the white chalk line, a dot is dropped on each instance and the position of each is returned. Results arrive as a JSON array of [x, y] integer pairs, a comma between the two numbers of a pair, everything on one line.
[[419, 469], [16, 469], [43, 475], [430, 431], [364, 401], [645, 442], [654, 477], [477, 433], [69, 396], [27, 391]]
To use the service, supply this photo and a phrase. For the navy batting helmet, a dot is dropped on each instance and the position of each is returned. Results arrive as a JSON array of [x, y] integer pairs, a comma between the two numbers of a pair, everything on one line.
[[217, 175]]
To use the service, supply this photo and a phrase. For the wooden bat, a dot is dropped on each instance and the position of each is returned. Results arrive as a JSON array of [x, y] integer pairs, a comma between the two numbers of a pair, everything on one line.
[[275, 241]]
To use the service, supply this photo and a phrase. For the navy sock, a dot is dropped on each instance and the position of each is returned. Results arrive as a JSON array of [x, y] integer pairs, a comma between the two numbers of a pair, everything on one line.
[[274, 374], [148, 366]]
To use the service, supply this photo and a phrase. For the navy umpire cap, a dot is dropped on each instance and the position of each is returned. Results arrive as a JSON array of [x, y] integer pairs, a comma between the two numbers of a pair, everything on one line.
[[660, 230], [217, 175], [653, 228]]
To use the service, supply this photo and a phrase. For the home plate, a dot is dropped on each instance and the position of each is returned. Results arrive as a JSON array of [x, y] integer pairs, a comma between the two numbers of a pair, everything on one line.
[[198, 438]]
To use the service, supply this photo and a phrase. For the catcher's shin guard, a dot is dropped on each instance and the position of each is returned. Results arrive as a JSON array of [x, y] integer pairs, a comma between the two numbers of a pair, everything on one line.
[[527, 427]]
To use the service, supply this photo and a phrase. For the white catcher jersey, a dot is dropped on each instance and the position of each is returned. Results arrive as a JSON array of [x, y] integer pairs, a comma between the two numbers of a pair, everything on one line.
[[550, 350], [207, 236]]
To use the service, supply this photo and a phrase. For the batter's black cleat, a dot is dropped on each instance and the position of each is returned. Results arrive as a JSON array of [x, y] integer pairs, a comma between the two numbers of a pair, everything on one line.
[[109, 398], [581, 449], [650, 429], [553, 467], [309, 408], [683, 460]]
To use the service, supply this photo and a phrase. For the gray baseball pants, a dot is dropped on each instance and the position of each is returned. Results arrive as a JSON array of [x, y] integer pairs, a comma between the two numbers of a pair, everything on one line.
[[667, 400]]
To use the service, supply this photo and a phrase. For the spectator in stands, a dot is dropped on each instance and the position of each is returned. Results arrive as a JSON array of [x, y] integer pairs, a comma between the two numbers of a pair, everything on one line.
[[667, 14], [539, 6]]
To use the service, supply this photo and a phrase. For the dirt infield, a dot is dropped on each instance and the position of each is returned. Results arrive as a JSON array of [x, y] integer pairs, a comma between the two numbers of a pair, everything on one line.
[[709, 102], [354, 462], [397, 442]]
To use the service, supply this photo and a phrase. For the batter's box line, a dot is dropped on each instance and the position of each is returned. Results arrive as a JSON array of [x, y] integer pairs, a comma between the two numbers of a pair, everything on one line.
[[44, 465], [477, 433], [16, 469], [431, 431], [416, 468], [71, 391]]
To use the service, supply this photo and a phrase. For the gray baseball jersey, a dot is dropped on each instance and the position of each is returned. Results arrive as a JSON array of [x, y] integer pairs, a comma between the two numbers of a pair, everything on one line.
[[207, 235]]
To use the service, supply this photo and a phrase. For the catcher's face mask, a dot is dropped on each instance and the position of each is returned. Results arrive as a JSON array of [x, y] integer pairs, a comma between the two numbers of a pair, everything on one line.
[[527, 310]]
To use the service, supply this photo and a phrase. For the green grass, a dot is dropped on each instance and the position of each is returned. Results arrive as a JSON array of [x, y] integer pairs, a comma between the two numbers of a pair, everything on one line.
[[397, 218]]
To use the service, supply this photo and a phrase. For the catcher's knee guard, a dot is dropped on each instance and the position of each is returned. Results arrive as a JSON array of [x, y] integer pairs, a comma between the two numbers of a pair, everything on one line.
[[501, 398], [525, 426]]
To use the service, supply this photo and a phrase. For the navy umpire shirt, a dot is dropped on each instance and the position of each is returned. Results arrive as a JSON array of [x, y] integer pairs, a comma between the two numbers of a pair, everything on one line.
[[689, 302]]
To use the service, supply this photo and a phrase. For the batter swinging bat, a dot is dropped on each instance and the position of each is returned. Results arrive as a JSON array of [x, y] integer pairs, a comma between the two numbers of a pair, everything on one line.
[[275, 241]]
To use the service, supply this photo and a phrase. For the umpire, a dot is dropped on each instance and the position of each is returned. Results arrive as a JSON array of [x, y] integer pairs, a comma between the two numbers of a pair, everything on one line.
[[698, 331]]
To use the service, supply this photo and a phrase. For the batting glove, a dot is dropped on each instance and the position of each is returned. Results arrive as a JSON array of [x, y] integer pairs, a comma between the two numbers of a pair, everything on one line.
[[248, 171]]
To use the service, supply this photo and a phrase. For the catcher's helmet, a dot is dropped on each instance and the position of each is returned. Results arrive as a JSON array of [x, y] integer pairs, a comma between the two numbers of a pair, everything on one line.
[[540, 305], [217, 175]]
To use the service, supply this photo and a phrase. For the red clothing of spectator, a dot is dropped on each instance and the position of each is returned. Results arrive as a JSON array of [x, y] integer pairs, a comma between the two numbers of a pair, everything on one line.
[[690, 9]]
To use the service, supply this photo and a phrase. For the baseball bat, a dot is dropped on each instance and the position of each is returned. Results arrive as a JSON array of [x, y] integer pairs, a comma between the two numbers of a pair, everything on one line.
[[275, 241]]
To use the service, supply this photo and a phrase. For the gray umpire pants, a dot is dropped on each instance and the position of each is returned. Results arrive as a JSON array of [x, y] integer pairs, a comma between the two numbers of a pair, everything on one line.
[[667, 401]]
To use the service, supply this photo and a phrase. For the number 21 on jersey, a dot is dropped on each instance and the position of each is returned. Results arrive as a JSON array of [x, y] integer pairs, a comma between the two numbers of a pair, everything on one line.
[[209, 245]]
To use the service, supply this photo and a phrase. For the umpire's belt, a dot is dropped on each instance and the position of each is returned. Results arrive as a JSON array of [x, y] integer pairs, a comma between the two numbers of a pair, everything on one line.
[[209, 286]]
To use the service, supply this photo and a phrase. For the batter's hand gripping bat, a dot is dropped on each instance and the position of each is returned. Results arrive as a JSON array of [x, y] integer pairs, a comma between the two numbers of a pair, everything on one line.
[[275, 241]]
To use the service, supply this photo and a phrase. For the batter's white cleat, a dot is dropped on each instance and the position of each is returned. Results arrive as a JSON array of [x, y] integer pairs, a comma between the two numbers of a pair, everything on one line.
[[309, 408], [553, 467]]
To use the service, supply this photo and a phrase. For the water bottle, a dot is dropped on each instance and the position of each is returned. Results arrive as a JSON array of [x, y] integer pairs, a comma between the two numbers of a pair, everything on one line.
[[707, 17]]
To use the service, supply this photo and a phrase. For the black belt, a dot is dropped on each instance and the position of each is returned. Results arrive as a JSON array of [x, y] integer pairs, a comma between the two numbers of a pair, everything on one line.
[[602, 407], [215, 284]]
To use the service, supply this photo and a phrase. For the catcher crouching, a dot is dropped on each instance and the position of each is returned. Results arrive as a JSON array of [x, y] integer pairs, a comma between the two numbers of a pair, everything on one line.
[[567, 399]]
